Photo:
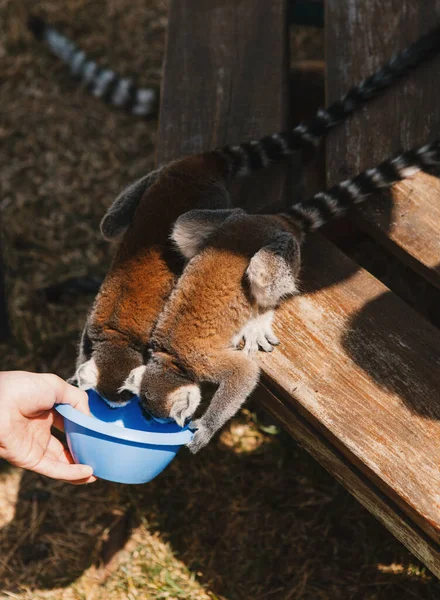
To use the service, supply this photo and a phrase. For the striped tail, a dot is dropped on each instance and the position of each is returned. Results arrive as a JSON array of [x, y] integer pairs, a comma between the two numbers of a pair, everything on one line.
[[314, 212], [253, 156], [120, 92]]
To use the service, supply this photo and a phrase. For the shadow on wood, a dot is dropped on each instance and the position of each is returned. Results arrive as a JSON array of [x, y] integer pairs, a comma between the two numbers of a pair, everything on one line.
[[398, 366]]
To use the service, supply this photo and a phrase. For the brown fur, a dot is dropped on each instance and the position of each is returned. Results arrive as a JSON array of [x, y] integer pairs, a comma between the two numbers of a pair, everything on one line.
[[144, 271], [193, 340]]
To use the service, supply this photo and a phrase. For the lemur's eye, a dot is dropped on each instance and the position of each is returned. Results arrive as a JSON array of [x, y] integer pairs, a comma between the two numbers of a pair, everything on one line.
[[178, 368]]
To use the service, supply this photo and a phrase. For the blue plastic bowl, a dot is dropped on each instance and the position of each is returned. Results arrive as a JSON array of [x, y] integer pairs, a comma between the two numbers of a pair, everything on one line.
[[120, 443]]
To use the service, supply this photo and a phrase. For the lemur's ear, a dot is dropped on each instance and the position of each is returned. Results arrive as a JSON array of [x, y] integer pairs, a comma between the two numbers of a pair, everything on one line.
[[118, 217], [193, 228], [273, 271], [86, 376]]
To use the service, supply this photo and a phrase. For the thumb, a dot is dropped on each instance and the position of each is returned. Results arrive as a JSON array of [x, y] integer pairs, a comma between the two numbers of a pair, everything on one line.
[[68, 394]]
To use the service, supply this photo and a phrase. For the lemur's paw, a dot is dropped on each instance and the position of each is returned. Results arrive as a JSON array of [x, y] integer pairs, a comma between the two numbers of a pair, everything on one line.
[[201, 437], [258, 334], [271, 337], [185, 401]]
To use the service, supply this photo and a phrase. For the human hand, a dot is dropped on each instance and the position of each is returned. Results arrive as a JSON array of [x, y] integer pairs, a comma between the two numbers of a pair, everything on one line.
[[26, 418]]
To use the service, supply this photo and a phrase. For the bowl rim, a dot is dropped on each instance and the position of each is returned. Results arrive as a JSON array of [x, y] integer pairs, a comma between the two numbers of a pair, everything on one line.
[[177, 438]]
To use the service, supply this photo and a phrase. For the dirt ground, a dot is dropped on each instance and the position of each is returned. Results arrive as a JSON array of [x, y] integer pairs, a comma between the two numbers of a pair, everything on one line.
[[252, 517]]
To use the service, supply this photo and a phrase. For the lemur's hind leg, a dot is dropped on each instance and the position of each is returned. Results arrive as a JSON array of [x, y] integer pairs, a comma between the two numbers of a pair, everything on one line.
[[272, 275], [273, 271], [237, 376]]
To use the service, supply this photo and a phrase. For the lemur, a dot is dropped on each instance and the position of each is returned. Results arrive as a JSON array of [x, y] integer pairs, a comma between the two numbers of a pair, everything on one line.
[[145, 267], [120, 92], [241, 267]]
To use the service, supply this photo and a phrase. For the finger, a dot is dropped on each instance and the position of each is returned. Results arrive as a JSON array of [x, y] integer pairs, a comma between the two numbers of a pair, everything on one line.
[[57, 469], [57, 452], [68, 394], [85, 481]]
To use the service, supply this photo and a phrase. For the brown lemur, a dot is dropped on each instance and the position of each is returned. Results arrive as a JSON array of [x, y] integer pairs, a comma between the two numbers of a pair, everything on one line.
[[145, 266], [241, 267]]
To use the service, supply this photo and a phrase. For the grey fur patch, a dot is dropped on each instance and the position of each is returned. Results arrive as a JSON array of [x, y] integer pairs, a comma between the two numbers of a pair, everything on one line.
[[192, 229], [118, 218]]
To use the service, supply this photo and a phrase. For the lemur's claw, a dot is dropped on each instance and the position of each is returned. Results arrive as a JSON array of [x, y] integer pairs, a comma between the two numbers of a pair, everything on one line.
[[201, 436]]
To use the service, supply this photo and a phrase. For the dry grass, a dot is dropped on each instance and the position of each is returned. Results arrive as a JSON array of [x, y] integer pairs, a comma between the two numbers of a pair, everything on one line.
[[252, 517]]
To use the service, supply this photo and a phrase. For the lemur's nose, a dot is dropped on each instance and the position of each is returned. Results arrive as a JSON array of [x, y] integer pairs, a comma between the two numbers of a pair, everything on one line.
[[150, 417], [125, 396]]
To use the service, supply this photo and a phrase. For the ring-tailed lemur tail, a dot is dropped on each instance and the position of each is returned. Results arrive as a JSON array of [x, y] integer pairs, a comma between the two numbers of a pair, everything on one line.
[[312, 213], [243, 159], [248, 157], [120, 92], [241, 267]]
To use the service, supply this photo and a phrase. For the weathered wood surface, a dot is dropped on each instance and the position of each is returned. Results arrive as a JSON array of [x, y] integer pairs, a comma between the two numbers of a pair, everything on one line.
[[211, 95], [369, 495], [364, 369], [360, 37], [357, 368]]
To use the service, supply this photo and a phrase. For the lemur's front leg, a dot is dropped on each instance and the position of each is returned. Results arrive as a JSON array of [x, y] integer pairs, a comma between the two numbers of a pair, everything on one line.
[[237, 376]]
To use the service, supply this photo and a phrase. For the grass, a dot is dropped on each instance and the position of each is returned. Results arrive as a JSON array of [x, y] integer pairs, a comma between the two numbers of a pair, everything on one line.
[[252, 517]]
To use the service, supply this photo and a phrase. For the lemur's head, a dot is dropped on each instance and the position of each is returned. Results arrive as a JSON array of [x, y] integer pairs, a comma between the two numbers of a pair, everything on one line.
[[110, 371], [165, 390]]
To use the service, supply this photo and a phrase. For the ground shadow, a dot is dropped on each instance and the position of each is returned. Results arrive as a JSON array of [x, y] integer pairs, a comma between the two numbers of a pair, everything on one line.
[[248, 524]]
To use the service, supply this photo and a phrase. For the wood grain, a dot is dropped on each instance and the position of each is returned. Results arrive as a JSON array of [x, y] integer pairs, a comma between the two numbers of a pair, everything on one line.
[[364, 369], [360, 37], [357, 375], [369, 495], [225, 82]]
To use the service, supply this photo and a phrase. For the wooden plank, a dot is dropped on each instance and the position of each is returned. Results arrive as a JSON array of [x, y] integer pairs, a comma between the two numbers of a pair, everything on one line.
[[360, 37], [307, 84], [364, 369], [346, 365], [370, 496], [225, 81]]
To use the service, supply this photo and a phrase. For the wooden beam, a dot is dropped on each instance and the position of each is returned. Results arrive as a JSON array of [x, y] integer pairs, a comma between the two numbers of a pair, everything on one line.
[[226, 81], [357, 368], [364, 369], [369, 495], [360, 37]]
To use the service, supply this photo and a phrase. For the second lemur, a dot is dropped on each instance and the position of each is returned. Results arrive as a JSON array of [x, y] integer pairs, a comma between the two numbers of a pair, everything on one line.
[[241, 268], [145, 267]]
